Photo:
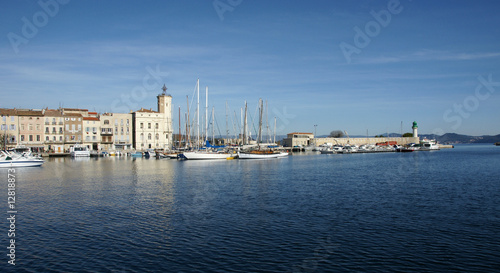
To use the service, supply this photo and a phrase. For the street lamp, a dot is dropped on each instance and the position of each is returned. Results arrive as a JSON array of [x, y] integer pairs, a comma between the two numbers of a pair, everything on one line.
[[315, 125]]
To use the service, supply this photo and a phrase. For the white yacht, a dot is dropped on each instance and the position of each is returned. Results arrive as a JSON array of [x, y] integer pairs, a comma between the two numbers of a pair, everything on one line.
[[12, 159], [77, 151], [429, 145]]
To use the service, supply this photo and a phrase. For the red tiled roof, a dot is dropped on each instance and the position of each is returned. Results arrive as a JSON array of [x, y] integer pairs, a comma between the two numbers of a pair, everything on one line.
[[53, 113], [72, 114], [29, 112], [90, 118], [145, 111]]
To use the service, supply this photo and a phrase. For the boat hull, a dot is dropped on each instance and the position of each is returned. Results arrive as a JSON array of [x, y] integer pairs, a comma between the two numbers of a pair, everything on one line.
[[20, 163], [206, 156], [259, 156]]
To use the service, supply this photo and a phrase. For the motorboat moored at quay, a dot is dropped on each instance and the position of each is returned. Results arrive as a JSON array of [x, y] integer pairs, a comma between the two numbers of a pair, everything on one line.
[[79, 151], [12, 159]]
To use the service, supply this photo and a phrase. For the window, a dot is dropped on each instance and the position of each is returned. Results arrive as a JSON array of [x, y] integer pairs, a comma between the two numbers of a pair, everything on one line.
[[122, 130], [30, 127], [79, 127], [38, 137], [67, 127], [142, 125], [127, 122], [157, 136], [149, 125], [73, 127], [12, 119], [106, 122], [53, 130], [22, 127], [54, 138], [46, 138], [121, 121], [156, 126], [142, 137], [116, 130], [149, 136], [22, 137], [30, 137], [4, 118], [46, 130], [87, 138], [4, 127], [12, 127]]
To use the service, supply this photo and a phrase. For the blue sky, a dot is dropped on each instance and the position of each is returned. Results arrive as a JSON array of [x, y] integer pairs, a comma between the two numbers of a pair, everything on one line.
[[436, 62]]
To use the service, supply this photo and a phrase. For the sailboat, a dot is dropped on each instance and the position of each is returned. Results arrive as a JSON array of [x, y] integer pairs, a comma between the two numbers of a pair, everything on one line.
[[259, 154], [206, 154]]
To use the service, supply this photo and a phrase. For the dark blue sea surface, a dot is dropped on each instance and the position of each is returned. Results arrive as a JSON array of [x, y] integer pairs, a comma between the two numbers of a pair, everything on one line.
[[391, 212]]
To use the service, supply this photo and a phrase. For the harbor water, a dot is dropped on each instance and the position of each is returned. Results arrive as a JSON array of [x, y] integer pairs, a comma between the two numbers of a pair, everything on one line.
[[391, 212]]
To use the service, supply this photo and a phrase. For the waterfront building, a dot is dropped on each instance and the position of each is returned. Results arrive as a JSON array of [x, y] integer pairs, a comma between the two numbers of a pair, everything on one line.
[[298, 139], [31, 124], [9, 129], [116, 131], [153, 129], [72, 129], [54, 131], [91, 131]]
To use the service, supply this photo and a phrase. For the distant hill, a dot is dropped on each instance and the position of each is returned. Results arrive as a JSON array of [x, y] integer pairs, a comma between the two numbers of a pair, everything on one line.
[[449, 138], [452, 138]]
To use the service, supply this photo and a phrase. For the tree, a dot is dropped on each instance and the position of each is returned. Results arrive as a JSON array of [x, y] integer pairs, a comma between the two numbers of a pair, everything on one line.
[[336, 134], [408, 135], [3, 141]]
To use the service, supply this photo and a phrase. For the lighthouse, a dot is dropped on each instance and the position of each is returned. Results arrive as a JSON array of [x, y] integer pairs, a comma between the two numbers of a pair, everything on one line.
[[415, 127]]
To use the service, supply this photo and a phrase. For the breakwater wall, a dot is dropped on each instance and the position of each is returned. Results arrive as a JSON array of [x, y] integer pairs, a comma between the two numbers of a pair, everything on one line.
[[365, 140]]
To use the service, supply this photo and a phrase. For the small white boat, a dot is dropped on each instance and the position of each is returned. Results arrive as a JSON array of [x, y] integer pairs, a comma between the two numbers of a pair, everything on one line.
[[12, 160], [203, 155], [77, 151], [429, 145], [149, 153], [259, 155]]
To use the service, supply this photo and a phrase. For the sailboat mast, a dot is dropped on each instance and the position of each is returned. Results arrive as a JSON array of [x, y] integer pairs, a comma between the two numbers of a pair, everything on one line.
[[227, 124], [259, 136], [245, 126], [213, 126], [274, 139], [188, 121], [206, 113], [198, 114], [180, 138]]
